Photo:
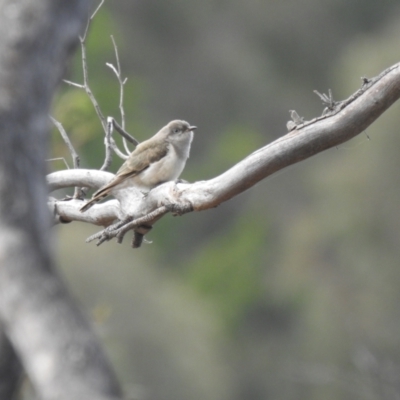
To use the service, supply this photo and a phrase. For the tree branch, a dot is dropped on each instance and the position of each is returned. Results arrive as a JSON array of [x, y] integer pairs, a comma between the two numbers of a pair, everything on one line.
[[340, 123]]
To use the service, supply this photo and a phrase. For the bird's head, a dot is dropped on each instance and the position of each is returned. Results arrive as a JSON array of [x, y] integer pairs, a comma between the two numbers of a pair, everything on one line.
[[179, 127]]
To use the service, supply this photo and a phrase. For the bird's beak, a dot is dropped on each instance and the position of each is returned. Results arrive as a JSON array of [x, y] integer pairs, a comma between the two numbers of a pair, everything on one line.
[[192, 128]]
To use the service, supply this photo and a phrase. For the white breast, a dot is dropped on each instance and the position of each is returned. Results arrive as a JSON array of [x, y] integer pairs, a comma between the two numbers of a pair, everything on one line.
[[167, 169]]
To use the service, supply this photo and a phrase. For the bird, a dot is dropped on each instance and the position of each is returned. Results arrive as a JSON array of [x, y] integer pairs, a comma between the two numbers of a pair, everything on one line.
[[159, 159]]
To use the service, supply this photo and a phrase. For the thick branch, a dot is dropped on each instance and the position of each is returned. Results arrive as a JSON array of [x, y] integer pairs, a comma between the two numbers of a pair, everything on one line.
[[84, 177], [308, 140]]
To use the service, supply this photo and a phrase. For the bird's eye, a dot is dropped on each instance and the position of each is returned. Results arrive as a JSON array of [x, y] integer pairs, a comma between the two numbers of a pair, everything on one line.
[[176, 130]]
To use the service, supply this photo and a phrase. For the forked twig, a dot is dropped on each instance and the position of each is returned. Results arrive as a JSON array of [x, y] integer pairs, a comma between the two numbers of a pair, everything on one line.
[[86, 87], [119, 229], [90, 20], [108, 124], [111, 145], [122, 131]]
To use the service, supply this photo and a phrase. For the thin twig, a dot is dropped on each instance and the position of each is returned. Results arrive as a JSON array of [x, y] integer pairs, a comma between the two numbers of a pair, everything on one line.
[[75, 156], [78, 85], [117, 151], [63, 133], [90, 20], [121, 82], [97, 9], [111, 145], [59, 159], [108, 126], [123, 132], [108, 146], [117, 72], [87, 87]]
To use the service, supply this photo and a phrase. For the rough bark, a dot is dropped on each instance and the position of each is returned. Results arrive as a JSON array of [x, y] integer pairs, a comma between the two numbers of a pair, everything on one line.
[[48, 332]]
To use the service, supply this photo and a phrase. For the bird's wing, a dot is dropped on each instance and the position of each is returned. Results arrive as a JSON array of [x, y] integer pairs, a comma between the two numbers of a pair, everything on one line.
[[142, 157]]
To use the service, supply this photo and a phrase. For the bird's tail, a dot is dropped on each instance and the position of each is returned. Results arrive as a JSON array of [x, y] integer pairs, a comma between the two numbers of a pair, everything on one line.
[[101, 193], [95, 199]]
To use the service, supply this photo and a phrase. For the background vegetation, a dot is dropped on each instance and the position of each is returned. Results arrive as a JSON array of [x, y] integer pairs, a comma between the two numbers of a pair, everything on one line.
[[290, 291]]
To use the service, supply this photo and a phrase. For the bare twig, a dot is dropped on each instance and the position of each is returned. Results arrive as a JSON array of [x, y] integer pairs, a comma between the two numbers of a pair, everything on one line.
[[110, 144], [121, 82], [108, 147], [117, 72], [90, 20], [64, 135], [77, 85], [123, 132], [59, 159], [109, 123], [117, 151], [78, 191], [85, 86]]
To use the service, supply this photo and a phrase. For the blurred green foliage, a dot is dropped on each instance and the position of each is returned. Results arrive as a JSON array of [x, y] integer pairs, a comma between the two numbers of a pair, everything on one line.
[[229, 269]]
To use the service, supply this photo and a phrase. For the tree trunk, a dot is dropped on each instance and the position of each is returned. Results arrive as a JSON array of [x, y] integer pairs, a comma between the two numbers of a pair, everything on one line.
[[48, 332]]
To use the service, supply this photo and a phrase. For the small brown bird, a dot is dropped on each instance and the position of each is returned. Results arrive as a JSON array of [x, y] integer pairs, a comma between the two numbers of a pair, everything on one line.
[[157, 160]]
